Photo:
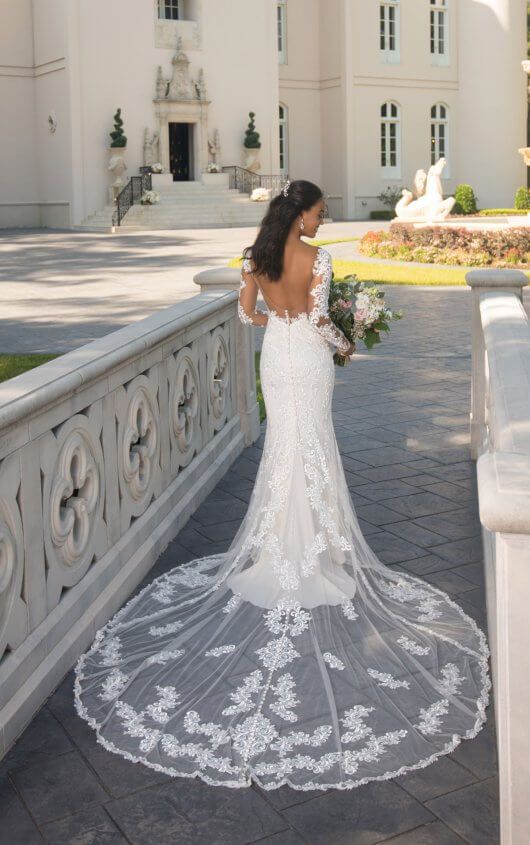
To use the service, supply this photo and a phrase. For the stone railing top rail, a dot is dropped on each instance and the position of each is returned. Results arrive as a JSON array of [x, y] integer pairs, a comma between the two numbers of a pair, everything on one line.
[[503, 473], [26, 395], [228, 278], [507, 340], [497, 278]]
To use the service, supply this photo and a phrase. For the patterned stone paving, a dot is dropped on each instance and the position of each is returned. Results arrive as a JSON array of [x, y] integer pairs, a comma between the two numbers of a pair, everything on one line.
[[401, 416]]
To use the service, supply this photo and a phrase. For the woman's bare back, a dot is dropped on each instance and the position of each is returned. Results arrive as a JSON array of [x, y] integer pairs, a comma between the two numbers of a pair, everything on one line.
[[291, 291]]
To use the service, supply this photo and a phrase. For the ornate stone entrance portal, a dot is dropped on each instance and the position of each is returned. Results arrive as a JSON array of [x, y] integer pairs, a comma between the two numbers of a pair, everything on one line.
[[178, 101]]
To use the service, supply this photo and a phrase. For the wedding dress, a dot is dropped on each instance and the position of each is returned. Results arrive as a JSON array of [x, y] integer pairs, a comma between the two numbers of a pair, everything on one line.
[[295, 657]]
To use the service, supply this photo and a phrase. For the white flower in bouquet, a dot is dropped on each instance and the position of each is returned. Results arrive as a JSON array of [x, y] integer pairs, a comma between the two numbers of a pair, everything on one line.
[[150, 198], [213, 168], [156, 168], [260, 195], [358, 309]]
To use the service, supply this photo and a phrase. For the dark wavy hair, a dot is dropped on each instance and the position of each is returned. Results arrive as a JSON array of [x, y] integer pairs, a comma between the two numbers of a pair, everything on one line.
[[268, 248]]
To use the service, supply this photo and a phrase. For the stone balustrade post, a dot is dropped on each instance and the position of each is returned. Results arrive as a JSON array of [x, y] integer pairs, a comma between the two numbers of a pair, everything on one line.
[[482, 281], [500, 436], [228, 278]]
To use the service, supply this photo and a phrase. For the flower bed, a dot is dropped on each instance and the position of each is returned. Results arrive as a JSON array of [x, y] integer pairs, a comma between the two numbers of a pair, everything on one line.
[[448, 245]]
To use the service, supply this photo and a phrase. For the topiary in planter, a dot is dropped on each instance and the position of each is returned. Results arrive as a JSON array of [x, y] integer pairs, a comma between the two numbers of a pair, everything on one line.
[[118, 138], [252, 141], [522, 198], [466, 202]]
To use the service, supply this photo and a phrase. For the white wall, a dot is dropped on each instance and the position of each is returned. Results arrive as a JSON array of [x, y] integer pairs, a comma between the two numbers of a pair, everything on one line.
[[482, 84], [84, 58], [240, 67], [18, 193], [492, 98], [35, 183], [51, 95]]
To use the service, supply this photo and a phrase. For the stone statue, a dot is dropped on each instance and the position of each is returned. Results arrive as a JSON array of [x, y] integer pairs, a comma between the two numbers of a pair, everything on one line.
[[429, 206], [214, 147], [161, 84], [117, 167], [200, 86], [151, 143], [180, 87]]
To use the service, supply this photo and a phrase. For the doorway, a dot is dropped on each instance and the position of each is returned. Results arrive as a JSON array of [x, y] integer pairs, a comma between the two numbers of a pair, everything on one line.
[[181, 151]]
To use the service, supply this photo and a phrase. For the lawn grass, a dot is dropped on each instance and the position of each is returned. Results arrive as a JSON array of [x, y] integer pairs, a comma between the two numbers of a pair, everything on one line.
[[393, 274], [400, 274], [259, 394], [14, 365], [324, 241]]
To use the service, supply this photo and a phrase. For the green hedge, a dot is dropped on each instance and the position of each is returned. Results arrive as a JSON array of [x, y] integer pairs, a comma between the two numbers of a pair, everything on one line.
[[382, 215], [498, 212], [449, 245], [466, 202], [522, 198]]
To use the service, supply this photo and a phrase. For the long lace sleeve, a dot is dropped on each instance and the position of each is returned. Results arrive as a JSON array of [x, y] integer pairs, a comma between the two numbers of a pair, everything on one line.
[[248, 295], [318, 302]]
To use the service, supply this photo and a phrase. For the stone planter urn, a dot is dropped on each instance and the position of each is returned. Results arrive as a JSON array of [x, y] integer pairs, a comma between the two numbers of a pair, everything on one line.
[[252, 160], [116, 167]]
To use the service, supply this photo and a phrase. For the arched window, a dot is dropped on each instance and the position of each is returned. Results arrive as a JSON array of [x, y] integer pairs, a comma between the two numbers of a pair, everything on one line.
[[389, 31], [169, 10], [440, 135], [281, 31], [284, 140], [439, 31], [391, 140]]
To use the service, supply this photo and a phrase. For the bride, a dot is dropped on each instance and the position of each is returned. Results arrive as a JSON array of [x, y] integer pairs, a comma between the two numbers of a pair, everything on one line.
[[295, 657]]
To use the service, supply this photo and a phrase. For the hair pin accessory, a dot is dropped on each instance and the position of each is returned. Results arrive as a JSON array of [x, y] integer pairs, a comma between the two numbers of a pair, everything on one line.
[[285, 188]]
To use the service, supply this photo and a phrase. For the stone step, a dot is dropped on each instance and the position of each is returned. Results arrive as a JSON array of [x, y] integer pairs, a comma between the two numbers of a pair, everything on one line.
[[184, 205]]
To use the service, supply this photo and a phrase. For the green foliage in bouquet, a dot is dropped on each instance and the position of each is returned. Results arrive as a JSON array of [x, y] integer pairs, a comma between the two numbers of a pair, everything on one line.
[[342, 306], [118, 138]]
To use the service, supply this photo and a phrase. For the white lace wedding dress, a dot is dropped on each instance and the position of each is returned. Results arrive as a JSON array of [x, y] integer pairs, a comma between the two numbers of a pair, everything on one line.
[[296, 657]]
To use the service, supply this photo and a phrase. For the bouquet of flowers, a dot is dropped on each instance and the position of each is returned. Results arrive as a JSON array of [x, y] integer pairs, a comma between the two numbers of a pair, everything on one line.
[[150, 198], [156, 168], [358, 310]]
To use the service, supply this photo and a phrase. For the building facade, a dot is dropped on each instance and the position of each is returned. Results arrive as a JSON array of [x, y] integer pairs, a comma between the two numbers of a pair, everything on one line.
[[355, 95]]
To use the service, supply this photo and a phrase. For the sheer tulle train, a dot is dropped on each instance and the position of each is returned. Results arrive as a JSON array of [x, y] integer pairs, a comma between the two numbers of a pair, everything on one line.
[[296, 657]]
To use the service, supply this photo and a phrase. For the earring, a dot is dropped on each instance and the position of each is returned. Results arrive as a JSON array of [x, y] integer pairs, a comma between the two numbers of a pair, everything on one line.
[[302, 223]]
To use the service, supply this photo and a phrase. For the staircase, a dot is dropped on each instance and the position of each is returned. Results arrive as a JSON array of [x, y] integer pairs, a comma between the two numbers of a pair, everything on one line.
[[184, 205]]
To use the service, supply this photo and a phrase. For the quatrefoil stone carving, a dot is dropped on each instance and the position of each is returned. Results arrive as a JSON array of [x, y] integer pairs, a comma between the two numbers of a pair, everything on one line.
[[7, 556], [139, 444], [73, 500], [185, 403], [219, 376]]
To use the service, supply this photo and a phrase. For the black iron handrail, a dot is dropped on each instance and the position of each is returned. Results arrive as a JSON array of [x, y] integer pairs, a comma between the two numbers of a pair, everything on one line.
[[246, 181], [131, 193]]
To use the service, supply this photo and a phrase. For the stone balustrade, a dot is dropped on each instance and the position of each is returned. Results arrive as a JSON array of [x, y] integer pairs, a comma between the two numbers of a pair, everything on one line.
[[500, 440], [105, 452]]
